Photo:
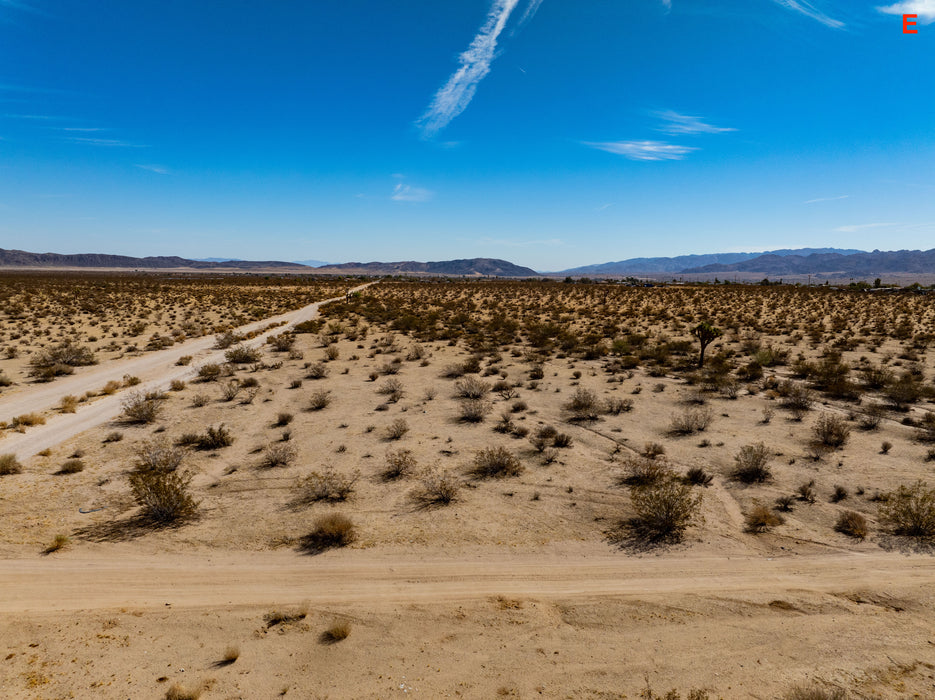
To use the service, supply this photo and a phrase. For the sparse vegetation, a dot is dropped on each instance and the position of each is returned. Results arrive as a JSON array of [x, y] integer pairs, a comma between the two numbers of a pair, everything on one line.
[[910, 511], [751, 464]]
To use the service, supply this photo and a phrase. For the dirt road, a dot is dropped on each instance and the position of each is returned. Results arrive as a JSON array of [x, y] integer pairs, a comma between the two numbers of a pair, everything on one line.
[[79, 581], [155, 370]]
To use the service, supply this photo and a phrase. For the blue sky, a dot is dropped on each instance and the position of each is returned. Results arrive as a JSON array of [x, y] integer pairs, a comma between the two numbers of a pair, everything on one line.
[[552, 133]]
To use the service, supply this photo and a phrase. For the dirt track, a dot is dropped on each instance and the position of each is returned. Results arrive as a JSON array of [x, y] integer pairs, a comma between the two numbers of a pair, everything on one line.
[[83, 582], [155, 370]]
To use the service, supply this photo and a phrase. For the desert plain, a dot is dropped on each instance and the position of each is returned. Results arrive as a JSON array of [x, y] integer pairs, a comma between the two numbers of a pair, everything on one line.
[[261, 486]]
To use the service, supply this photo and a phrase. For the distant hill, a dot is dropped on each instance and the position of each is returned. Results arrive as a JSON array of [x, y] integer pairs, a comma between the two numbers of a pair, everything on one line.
[[682, 263], [472, 267], [21, 258], [311, 263], [858, 264]]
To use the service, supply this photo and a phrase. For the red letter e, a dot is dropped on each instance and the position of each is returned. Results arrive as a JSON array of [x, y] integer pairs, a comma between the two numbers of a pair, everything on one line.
[[908, 21]]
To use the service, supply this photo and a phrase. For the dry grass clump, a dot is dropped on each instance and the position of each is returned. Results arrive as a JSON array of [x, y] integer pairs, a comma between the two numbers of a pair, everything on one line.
[[691, 420], [212, 439], [327, 485], [852, 524], [751, 464], [27, 420], [664, 510], [140, 407], [697, 476], [396, 429], [495, 462], [231, 654], [437, 488], [639, 471], [330, 531], [397, 464], [471, 388], [319, 400], [278, 454], [814, 692], [473, 410], [831, 430], [760, 519], [281, 616], [910, 511], [72, 466], [339, 631], [59, 542], [180, 692], [68, 404]]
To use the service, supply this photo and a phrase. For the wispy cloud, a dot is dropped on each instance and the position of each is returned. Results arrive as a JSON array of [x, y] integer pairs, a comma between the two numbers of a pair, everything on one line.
[[675, 123], [408, 193], [531, 9], [643, 150], [667, 4], [809, 10], [454, 97], [113, 143], [82, 128], [924, 8], [860, 227], [158, 169], [825, 199]]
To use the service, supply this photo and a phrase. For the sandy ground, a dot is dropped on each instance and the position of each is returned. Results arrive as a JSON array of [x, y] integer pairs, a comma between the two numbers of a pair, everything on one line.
[[517, 589]]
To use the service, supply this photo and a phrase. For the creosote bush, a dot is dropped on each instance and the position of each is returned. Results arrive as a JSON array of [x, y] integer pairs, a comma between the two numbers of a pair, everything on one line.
[[397, 464], [831, 430], [751, 464], [163, 496], [584, 405], [664, 510], [436, 488], [495, 462], [140, 407], [319, 400], [10, 465], [397, 429], [852, 524], [692, 420], [278, 454], [327, 485], [329, 531], [910, 510]]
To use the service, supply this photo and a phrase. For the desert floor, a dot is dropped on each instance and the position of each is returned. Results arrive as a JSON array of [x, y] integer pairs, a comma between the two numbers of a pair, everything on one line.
[[523, 586]]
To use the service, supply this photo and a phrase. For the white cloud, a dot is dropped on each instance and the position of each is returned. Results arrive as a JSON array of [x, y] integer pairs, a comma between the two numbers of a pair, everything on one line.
[[643, 150], [826, 199], [924, 8], [408, 193], [667, 4], [809, 10], [454, 97], [860, 227], [105, 142], [531, 9], [158, 169], [676, 123]]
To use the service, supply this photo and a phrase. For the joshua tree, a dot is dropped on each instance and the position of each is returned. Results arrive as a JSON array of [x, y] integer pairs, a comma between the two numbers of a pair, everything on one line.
[[706, 333]]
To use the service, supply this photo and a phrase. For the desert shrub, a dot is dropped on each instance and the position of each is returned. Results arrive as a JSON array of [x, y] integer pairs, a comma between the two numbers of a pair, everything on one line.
[[176, 385], [697, 476], [905, 390], [278, 454], [27, 420], [316, 370], [831, 430], [785, 503], [184, 360], [542, 436], [751, 464], [283, 419], [691, 420], [664, 510], [839, 494], [505, 425], [327, 485], [55, 360], [215, 438], [10, 465], [562, 440], [157, 455], [926, 428], [797, 399], [641, 471], [163, 496], [330, 531], [199, 400], [436, 488], [870, 419], [652, 450], [583, 405], [471, 388], [139, 407], [282, 342], [495, 462], [910, 510], [337, 632], [72, 466], [814, 692], [319, 400], [68, 404], [760, 519], [396, 429], [806, 492], [615, 406], [885, 447], [209, 372], [852, 524], [519, 406], [392, 388], [473, 410], [59, 542], [397, 464], [224, 340], [230, 390], [115, 436]]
